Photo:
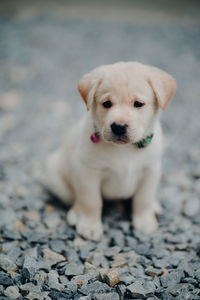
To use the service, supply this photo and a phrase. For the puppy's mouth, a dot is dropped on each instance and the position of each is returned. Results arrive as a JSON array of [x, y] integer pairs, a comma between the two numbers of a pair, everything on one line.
[[118, 139]]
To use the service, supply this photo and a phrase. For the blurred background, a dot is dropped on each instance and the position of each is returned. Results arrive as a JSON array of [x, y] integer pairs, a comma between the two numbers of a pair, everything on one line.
[[46, 46]]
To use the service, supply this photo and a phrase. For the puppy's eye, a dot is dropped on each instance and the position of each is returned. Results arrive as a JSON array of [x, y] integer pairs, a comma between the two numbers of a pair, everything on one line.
[[107, 104], [138, 104]]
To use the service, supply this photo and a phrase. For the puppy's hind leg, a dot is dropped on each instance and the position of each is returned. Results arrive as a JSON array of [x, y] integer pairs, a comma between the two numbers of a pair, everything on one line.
[[55, 181]]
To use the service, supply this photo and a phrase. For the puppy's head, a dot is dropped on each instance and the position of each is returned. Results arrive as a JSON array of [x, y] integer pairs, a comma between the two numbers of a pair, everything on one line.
[[125, 98]]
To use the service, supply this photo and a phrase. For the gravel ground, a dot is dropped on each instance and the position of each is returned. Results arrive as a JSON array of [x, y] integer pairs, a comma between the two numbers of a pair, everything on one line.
[[42, 55]]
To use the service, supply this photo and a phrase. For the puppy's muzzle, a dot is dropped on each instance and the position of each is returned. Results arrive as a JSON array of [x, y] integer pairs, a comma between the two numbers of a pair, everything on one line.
[[119, 129]]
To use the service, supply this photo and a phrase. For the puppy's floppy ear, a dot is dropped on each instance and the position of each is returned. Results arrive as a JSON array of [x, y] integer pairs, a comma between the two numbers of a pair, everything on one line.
[[87, 87], [163, 85]]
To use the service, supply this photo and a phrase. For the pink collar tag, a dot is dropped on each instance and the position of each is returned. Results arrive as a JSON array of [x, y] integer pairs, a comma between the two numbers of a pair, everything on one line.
[[94, 137]]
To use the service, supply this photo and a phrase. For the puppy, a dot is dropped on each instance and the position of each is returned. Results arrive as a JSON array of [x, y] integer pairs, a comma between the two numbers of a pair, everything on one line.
[[114, 152]]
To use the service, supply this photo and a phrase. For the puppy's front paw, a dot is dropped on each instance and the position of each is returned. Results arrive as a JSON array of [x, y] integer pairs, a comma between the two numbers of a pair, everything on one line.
[[83, 225], [145, 223]]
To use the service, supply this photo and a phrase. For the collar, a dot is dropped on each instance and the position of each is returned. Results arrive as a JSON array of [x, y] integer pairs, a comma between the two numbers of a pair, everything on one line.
[[95, 137], [144, 142]]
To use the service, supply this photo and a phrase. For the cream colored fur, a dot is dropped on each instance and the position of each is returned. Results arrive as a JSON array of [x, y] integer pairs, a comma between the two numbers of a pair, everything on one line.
[[83, 173]]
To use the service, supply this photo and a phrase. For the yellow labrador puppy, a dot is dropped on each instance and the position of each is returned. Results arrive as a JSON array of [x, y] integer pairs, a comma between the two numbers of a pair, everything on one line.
[[114, 151]]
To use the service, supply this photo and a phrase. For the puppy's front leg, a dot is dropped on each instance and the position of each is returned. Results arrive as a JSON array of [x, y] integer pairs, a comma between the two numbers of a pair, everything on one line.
[[144, 203], [86, 212]]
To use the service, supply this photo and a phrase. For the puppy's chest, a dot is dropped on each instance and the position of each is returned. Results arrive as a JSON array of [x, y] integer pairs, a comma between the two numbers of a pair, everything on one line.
[[121, 177]]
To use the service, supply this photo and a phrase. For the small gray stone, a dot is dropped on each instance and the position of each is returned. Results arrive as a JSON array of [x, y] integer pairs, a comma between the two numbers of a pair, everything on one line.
[[98, 259], [33, 252], [40, 277], [72, 269], [34, 292], [191, 207], [37, 237], [53, 281], [121, 289], [127, 279], [14, 253], [110, 252], [57, 246], [107, 296], [84, 253], [64, 280], [180, 289], [172, 278], [187, 268], [117, 238], [29, 267], [7, 216], [197, 275], [52, 220], [190, 280], [71, 255], [95, 288], [11, 234], [71, 288], [161, 263], [84, 298], [8, 246], [5, 279], [141, 289], [6, 263], [12, 292], [79, 280], [19, 261]]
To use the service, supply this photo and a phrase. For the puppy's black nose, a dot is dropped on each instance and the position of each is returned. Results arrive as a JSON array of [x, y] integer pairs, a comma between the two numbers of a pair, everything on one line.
[[118, 128]]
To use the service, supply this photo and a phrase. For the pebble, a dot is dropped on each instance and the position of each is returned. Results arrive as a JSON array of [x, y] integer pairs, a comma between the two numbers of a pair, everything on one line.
[[37, 237], [107, 296], [180, 289], [53, 281], [40, 277], [140, 289], [95, 288], [121, 289], [12, 292], [14, 253], [11, 234], [57, 246], [172, 278], [5, 279], [52, 257], [127, 279], [80, 279], [187, 268], [111, 251], [72, 269], [6, 263], [153, 271], [117, 238], [191, 207], [111, 277], [29, 267], [120, 260]]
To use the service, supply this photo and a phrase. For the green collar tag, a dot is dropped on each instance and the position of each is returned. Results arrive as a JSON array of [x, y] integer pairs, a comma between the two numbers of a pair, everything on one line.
[[144, 142]]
